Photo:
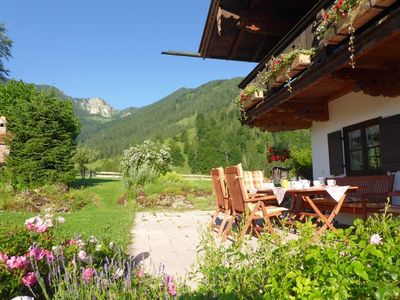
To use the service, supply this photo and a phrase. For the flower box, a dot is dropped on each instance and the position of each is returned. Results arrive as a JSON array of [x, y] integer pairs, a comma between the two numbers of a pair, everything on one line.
[[301, 62], [365, 11], [250, 101]]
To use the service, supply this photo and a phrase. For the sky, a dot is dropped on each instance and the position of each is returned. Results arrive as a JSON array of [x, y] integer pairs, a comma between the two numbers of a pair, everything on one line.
[[111, 49]]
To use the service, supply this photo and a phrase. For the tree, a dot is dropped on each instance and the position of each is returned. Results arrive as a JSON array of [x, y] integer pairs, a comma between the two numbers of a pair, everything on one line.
[[82, 157], [176, 154], [43, 130], [5, 51]]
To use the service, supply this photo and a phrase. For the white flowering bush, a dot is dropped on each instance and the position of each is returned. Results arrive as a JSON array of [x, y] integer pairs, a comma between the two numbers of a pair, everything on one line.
[[145, 162]]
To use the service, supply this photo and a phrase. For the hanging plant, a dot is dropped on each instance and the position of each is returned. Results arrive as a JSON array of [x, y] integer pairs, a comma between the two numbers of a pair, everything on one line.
[[344, 18], [277, 154], [281, 69]]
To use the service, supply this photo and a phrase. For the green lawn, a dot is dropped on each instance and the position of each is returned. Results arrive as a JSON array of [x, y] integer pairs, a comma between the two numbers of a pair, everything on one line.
[[103, 217]]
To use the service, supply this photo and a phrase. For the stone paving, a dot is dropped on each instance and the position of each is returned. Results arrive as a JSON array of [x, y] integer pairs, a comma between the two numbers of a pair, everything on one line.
[[168, 240]]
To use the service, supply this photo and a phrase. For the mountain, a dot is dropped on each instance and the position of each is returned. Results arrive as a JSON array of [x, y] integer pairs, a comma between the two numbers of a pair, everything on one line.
[[163, 119], [96, 106]]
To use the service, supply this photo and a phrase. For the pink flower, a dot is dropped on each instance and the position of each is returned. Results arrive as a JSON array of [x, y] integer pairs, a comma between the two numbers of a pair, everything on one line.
[[17, 262], [140, 273], [48, 222], [41, 228], [29, 279], [37, 253], [375, 239], [170, 285], [49, 255], [82, 255], [88, 274], [3, 257]]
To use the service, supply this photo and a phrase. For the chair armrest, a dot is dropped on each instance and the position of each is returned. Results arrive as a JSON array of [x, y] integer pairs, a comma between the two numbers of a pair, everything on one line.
[[263, 198]]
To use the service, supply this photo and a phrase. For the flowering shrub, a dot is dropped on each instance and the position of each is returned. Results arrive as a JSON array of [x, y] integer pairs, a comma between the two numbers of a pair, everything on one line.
[[361, 262], [277, 154], [32, 263], [145, 161]]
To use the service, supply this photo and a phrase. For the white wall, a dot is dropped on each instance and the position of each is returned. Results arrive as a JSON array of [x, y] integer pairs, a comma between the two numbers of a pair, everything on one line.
[[345, 111]]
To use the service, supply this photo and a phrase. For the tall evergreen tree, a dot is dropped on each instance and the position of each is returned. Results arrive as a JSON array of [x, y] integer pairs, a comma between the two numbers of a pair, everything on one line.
[[5, 51], [43, 130]]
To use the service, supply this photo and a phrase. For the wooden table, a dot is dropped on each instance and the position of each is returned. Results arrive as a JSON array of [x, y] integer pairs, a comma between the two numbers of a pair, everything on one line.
[[307, 196]]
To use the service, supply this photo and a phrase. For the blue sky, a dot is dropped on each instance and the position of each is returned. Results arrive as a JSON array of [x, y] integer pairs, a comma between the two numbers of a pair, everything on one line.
[[111, 49]]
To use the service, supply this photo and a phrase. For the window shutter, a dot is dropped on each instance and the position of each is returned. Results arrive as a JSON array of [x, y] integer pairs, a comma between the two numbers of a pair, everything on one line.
[[335, 153], [390, 143]]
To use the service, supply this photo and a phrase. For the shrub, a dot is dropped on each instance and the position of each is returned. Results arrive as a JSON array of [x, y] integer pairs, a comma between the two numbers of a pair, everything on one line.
[[361, 262], [144, 162]]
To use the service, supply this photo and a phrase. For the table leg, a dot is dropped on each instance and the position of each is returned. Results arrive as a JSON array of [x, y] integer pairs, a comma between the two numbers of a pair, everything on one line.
[[327, 221]]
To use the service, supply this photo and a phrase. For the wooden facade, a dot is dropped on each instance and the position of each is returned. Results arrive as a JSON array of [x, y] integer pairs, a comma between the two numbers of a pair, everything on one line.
[[256, 30]]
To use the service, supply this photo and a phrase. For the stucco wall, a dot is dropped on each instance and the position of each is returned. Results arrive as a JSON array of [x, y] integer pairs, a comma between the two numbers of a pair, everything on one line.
[[348, 110]]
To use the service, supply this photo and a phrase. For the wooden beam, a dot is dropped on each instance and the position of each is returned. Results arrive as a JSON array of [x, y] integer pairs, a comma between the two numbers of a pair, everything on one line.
[[315, 111], [388, 28]]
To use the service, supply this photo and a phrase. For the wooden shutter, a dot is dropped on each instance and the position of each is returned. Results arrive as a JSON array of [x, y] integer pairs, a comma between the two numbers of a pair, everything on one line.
[[335, 153], [390, 143]]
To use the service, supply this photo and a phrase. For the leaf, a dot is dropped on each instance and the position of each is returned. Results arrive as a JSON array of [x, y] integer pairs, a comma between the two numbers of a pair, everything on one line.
[[291, 275], [359, 269], [376, 252]]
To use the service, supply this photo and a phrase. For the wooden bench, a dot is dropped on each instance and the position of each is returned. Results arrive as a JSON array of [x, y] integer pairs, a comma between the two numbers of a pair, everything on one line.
[[372, 195]]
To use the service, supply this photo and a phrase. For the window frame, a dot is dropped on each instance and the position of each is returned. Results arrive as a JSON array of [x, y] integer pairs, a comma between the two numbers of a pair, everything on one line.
[[362, 126]]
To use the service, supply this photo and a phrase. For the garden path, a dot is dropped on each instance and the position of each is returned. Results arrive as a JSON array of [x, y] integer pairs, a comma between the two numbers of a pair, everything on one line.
[[168, 240]]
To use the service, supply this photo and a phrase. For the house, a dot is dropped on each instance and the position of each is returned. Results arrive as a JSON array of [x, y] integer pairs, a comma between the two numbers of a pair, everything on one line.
[[4, 150], [343, 82]]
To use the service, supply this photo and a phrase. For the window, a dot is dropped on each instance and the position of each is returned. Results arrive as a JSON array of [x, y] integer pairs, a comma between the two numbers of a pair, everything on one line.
[[363, 148]]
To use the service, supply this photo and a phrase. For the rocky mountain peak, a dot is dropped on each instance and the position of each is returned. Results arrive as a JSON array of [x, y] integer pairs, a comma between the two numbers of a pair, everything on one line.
[[97, 106]]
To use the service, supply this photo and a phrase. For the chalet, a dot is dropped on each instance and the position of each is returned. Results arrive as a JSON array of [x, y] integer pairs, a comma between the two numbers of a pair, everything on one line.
[[329, 66], [4, 151]]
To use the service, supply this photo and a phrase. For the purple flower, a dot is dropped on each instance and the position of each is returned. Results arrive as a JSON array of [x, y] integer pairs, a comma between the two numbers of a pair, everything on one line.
[[375, 239]]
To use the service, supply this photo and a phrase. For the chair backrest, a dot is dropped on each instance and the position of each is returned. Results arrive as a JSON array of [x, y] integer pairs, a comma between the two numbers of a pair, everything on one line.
[[219, 186], [237, 191], [253, 179]]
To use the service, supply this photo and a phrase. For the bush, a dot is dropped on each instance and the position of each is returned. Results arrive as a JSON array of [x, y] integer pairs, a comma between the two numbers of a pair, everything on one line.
[[145, 162], [361, 262]]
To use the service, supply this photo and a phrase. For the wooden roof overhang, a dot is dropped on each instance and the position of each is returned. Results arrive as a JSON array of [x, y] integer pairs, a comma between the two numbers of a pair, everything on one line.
[[246, 30], [377, 72]]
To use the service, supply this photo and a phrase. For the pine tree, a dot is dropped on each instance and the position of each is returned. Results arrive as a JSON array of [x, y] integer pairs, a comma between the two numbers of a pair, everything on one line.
[[43, 133]]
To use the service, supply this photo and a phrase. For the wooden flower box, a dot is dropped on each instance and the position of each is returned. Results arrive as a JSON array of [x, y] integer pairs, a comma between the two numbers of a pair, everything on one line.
[[301, 62], [253, 100], [365, 11]]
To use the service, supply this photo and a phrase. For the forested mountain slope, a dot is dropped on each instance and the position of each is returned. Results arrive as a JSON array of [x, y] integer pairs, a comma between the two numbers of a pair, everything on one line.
[[163, 119]]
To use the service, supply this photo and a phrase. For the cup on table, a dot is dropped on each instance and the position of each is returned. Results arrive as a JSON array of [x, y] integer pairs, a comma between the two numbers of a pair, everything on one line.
[[331, 182], [284, 183], [321, 181], [305, 183], [316, 183], [298, 185]]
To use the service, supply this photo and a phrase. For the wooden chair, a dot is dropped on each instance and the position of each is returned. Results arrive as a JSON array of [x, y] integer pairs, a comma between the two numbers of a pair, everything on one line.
[[221, 197], [252, 208]]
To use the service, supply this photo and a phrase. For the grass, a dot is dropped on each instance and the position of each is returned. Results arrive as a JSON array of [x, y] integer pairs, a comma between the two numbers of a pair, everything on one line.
[[103, 217]]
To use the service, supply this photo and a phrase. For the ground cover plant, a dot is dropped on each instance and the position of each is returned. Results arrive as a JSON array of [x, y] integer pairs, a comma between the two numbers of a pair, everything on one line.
[[33, 263], [362, 262]]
